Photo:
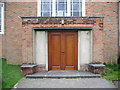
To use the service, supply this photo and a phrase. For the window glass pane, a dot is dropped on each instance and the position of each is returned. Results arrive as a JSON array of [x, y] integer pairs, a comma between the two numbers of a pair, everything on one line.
[[80, 7], [46, 0], [0, 12], [61, 0], [0, 28], [0, 17], [61, 8], [75, 14], [46, 7], [1, 7], [45, 14], [76, 6], [76, 1]]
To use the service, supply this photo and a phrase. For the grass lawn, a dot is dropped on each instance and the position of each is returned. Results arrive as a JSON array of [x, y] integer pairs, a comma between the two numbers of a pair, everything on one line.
[[112, 72], [11, 74]]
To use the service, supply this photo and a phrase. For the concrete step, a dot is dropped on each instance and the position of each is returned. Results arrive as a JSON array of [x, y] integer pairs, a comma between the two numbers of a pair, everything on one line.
[[63, 74]]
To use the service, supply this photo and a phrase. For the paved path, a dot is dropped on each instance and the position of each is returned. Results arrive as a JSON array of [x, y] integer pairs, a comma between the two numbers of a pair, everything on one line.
[[64, 83]]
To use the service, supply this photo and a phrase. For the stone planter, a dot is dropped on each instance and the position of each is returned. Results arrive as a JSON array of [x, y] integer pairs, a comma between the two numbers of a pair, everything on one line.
[[96, 68], [28, 69]]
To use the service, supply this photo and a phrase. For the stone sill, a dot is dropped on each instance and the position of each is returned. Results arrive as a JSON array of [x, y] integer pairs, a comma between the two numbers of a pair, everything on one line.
[[28, 66], [96, 65]]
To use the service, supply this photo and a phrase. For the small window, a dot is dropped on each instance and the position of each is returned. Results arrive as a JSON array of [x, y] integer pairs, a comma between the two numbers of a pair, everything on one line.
[[1, 18]]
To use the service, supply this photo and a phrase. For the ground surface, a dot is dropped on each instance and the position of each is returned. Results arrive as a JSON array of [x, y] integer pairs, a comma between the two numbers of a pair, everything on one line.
[[64, 83]]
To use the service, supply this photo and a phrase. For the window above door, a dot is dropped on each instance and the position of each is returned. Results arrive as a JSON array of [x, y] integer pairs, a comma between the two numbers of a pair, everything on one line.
[[61, 8]]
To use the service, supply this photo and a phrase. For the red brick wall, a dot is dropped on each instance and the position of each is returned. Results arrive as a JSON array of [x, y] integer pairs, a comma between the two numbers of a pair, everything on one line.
[[12, 47], [13, 11], [109, 10]]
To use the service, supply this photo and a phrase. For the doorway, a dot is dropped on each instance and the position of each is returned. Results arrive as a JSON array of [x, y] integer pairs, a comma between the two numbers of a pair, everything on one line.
[[62, 50]]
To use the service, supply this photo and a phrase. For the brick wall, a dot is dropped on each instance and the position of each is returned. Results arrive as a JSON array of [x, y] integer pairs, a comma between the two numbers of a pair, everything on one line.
[[13, 28], [109, 10], [12, 47]]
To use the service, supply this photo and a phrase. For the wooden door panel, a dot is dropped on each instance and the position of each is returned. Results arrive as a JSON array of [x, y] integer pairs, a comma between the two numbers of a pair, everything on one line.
[[56, 39], [69, 48], [70, 57], [54, 51]]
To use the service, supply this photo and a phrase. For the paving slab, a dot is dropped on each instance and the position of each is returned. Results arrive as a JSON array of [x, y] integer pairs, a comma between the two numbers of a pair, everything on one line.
[[63, 74], [64, 83]]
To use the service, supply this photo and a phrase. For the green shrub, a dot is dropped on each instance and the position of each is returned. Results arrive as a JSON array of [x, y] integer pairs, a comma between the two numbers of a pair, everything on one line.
[[112, 72]]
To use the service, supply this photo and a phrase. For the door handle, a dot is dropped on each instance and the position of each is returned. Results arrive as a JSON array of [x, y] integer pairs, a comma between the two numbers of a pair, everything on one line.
[[62, 52]]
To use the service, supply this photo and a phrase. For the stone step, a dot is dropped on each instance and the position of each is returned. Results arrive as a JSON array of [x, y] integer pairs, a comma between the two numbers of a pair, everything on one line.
[[63, 74]]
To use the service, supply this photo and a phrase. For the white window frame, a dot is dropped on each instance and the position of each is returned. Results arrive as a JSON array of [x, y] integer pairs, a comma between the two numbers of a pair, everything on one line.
[[54, 8], [2, 19], [83, 8]]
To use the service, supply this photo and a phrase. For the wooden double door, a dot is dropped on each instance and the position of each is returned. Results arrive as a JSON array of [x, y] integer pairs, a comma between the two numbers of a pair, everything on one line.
[[62, 50]]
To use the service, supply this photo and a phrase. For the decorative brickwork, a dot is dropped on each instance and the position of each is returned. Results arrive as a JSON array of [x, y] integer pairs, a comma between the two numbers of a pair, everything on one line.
[[57, 20], [29, 23]]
